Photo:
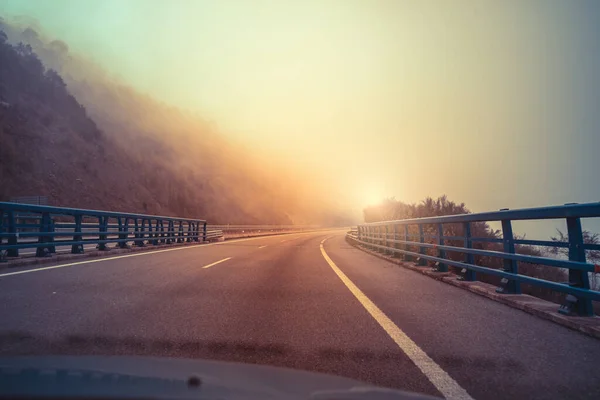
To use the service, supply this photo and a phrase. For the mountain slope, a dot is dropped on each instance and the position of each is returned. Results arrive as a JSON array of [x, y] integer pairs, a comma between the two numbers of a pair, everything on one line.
[[50, 146]]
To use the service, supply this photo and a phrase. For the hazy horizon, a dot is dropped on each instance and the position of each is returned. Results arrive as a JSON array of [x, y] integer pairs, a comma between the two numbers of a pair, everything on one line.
[[493, 104]]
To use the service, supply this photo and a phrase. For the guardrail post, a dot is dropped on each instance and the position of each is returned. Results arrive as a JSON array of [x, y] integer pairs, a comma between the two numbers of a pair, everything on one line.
[[375, 238], [422, 250], [149, 230], [171, 232], [139, 232], [385, 243], [77, 237], [440, 266], [163, 238], [509, 286], [2, 255], [160, 231], [40, 251], [358, 232], [103, 228], [190, 227], [204, 233], [126, 233], [577, 278], [389, 233], [52, 247], [156, 234], [45, 229], [136, 231], [152, 236], [12, 239], [196, 232], [372, 237], [180, 232], [407, 257], [123, 232], [395, 233], [468, 275], [147, 227]]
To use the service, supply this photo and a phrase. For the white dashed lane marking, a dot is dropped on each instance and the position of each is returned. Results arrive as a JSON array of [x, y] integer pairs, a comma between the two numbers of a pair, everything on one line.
[[216, 262]]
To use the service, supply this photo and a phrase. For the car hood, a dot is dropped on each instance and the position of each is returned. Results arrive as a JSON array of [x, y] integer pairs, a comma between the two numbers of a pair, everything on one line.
[[168, 378]]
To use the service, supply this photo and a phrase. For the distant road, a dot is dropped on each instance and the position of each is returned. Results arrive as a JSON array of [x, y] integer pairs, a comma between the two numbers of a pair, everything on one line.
[[293, 301]]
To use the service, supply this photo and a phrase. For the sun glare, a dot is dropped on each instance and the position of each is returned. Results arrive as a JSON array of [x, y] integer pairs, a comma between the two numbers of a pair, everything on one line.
[[372, 196]]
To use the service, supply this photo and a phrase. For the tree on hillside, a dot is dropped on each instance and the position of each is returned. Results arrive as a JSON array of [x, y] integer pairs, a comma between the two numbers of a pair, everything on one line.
[[55, 79], [391, 209]]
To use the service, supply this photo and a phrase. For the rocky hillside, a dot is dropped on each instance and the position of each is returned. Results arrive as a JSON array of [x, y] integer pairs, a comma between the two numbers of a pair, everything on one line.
[[51, 147]]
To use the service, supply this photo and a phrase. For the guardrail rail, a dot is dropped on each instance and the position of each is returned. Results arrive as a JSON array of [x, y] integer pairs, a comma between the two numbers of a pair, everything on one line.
[[44, 228], [398, 238]]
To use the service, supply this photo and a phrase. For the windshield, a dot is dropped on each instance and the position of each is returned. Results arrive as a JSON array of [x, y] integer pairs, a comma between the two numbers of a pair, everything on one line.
[[401, 193]]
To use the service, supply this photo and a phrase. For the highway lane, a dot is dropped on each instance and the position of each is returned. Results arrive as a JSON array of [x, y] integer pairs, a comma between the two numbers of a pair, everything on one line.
[[276, 300], [492, 350]]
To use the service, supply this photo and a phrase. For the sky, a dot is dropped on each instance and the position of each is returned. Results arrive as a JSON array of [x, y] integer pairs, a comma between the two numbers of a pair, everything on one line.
[[493, 103]]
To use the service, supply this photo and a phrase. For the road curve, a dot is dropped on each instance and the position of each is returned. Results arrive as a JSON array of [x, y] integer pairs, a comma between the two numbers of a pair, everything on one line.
[[306, 301]]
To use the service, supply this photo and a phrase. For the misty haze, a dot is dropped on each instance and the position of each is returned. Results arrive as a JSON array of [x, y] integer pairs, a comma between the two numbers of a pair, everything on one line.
[[297, 199]]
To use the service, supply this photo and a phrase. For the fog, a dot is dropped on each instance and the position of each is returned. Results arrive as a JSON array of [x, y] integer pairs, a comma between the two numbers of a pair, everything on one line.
[[177, 162], [346, 102]]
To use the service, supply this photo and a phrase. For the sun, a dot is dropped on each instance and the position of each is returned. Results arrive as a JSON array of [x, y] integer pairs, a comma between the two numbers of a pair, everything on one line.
[[372, 196]]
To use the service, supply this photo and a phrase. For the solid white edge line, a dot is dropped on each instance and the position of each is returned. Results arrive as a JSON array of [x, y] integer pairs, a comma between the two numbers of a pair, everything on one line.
[[443, 382], [216, 262], [144, 253]]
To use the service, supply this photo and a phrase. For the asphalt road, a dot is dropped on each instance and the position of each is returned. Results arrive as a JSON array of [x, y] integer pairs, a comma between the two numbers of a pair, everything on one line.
[[293, 301]]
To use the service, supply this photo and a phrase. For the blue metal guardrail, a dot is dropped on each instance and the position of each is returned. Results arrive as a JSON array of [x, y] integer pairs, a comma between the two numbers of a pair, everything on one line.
[[393, 237], [44, 228]]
